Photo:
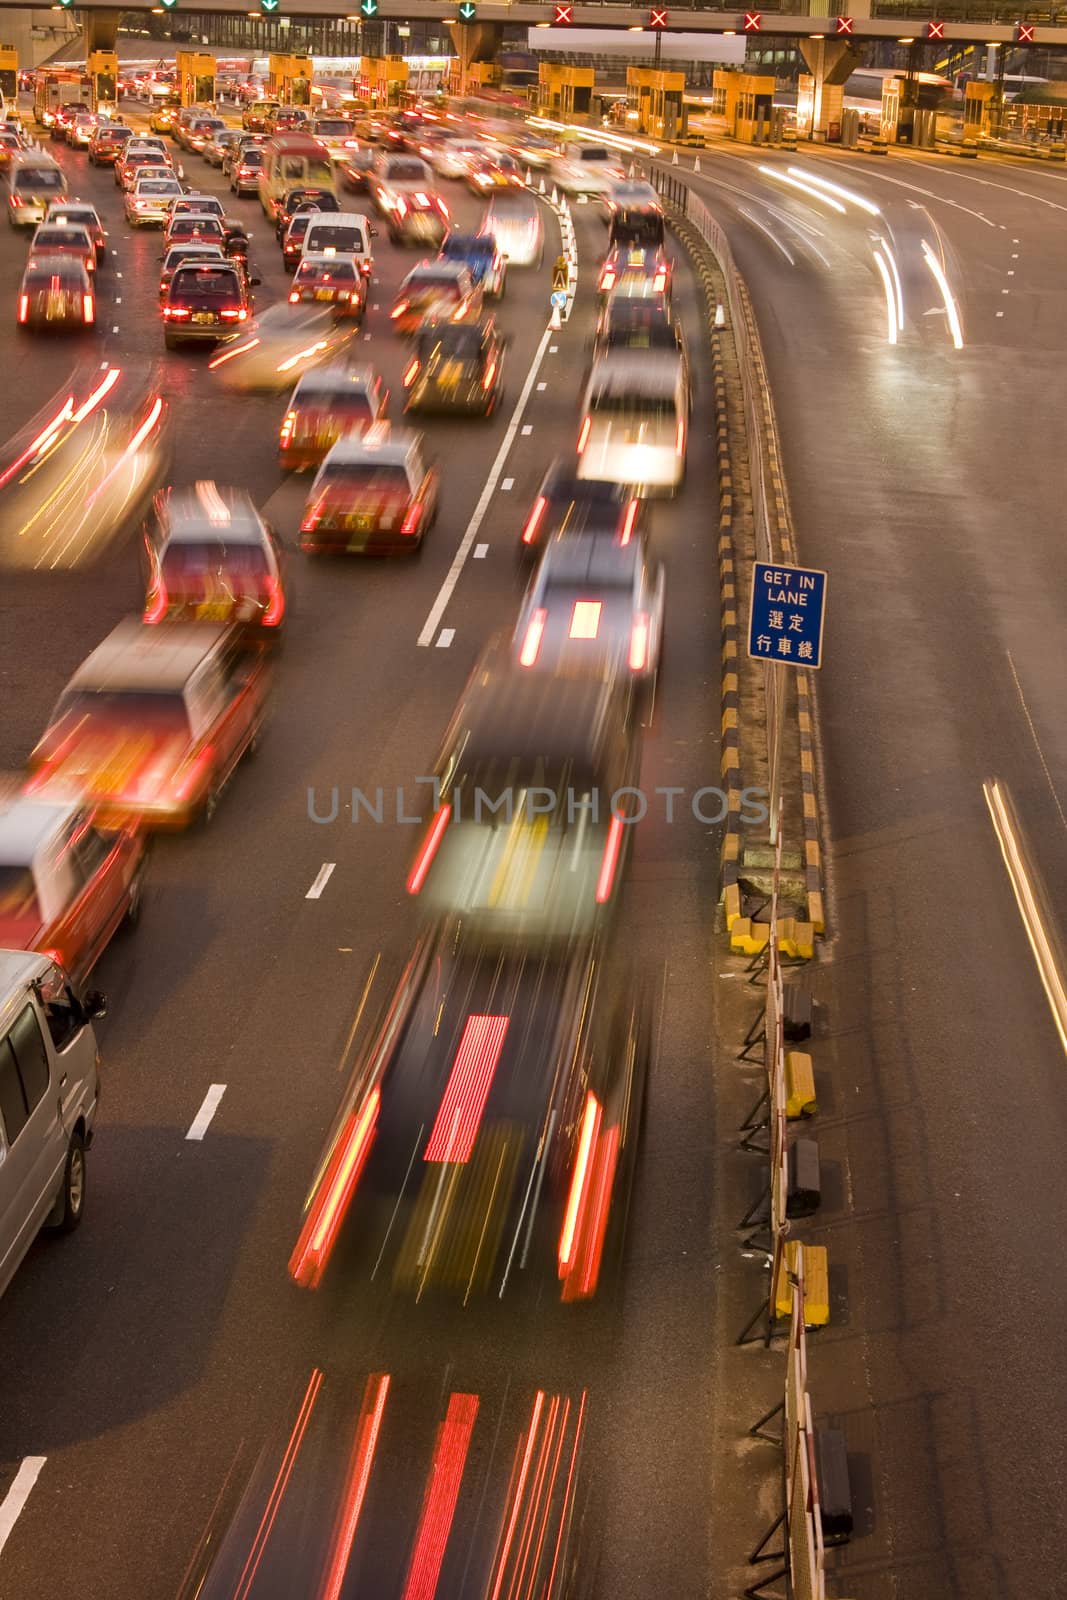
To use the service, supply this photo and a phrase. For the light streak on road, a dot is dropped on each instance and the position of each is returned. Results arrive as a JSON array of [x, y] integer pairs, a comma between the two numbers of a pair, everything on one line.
[[951, 311]]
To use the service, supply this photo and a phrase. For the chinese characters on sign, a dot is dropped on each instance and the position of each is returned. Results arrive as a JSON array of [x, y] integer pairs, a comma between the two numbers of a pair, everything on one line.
[[785, 622]]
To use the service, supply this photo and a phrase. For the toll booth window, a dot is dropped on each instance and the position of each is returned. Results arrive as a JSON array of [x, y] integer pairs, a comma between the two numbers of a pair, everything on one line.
[[105, 86]]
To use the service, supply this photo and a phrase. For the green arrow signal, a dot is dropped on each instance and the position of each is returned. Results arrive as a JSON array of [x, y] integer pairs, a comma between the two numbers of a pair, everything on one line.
[[269, 5], [467, 11], [368, 8], [168, 5]]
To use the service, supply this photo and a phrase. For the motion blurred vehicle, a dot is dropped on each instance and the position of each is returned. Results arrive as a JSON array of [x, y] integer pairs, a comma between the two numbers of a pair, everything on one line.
[[342, 233], [566, 504], [76, 214], [635, 273], [533, 150], [635, 421], [455, 368], [205, 300], [291, 161], [327, 404], [149, 200], [80, 130], [153, 723], [107, 143], [634, 216], [486, 1140], [10, 146], [279, 345], [196, 133], [373, 494], [451, 158], [513, 222], [592, 598], [222, 140], [330, 280], [31, 183], [479, 254], [180, 253], [586, 168], [164, 114], [243, 143], [302, 199], [211, 557], [244, 173], [394, 175], [66, 885], [438, 291], [356, 168], [638, 325], [420, 218], [194, 225], [63, 117], [492, 170], [57, 239], [448, 1489], [525, 847], [255, 116], [56, 293], [287, 119], [338, 134]]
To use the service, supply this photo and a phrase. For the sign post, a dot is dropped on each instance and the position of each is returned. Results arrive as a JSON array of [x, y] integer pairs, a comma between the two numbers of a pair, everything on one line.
[[785, 627]]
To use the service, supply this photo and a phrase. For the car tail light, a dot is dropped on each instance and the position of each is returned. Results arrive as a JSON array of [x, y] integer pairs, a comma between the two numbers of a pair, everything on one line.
[[608, 278], [610, 860], [583, 437], [16, 200], [490, 374], [417, 875], [244, 172], [410, 525], [679, 437], [531, 645], [411, 372], [399, 309], [659, 282], [235, 315], [88, 308], [639, 642], [628, 522], [287, 429], [176, 311], [590, 1125], [24, 307], [402, 207], [156, 604], [534, 519], [275, 611]]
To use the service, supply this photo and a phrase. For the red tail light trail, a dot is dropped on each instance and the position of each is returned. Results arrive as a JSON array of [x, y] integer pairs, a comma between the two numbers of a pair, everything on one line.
[[639, 643], [610, 860], [368, 1427], [333, 1194], [534, 519], [417, 875], [459, 1116]]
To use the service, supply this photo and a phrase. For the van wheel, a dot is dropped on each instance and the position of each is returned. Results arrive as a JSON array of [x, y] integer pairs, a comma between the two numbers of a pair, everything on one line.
[[133, 904], [70, 1201]]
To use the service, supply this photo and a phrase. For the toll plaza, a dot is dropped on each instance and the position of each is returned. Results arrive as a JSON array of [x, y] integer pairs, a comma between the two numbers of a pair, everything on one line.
[[477, 75], [290, 79], [103, 70], [564, 91], [9, 72], [381, 81], [746, 101], [196, 78], [658, 99]]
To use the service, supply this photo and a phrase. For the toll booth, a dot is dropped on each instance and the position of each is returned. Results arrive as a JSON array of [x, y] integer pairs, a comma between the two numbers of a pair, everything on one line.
[[472, 79], [746, 103], [977, 105], [381, 82], [290, 79], [820, 109], [196, 78], [658, 99], [102, 68], [564, 91], [9, 72]]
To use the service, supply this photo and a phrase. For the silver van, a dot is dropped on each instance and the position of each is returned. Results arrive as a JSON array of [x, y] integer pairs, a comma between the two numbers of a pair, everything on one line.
[[49, 1090], [31, 183], [636, 419]]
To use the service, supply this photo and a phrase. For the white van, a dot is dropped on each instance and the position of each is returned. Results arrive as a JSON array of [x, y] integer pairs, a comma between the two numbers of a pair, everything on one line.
[[32, 182], [635, 421], [588, 168], [49, 1090], [341, 233]]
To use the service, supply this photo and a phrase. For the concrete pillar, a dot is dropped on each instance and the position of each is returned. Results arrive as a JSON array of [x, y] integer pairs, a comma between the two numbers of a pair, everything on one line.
[[17, 32], [101, 30], [832, 62], [477, 41]]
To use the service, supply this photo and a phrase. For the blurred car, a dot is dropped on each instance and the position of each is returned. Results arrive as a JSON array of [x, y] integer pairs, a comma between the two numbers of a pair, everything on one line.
[[255, 116], [327, 404], [451, 158], [164, 114], [194, 225], [153, 723], [76, 214], [566, 504], [10, 145], [635, 273], [635, 421], [592, 597], [223, 139], [66, 885], [245, 171], [342, 233], [213, 558], [302, 199], [80, 130], [517, 230], [196, 134], [194, 251], [205, 300], [279, 345], [394, 175], [456, 368], [56, 292], [634, 214], [133, 163], [638, 325], [419, 218], [108, 142], [436, 291], [373, 494], [286, 119], [587, 168], [527, 843], [63, 116], [330, 280], [534, 151], [58, 239], [356, 167], [338, 134], [295, 233], [492, 170], [149, 200], [479, 254]]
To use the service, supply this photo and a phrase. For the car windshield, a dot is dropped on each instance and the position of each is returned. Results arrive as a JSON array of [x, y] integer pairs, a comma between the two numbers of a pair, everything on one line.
[[339, 271], [338, 403], [38, 178], [207, 252], [456, 343], [156, 711], [57, 271], [212, 281], [184, 562], [80, 219], [331, 129], [187, 227], [197, 205], [478, 249], [634, 403], [369, 477], [18, 894], [157, 186]]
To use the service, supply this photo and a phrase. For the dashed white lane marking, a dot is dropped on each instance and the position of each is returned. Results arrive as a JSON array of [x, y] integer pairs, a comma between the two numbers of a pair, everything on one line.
[[1000, 313], [553, 349], [507, 485], [480, 552], [118, 274], [322, 878], [1015, 241], [202, 1121], [541, 386], [1010, 272], [1005, 291], [115, 329], [445, 637], [526, 430], [19, 1492], [437, 610], [1015, 255], [118, 299]]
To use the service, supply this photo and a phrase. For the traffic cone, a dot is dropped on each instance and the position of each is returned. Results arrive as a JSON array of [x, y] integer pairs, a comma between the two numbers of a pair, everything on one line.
[[542, 183], [555, 195], [529, 177], [674, 159], [696, 164], [554, 320], [720, 316]]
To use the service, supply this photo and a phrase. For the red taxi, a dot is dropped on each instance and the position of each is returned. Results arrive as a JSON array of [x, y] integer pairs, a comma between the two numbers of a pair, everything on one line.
[[330, 280], [373, 495], [327, 404], [211, 557]]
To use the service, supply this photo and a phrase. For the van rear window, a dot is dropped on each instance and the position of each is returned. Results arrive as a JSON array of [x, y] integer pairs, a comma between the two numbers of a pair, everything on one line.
[[214, 281], [632, 403], [329, 236], [38, 178]]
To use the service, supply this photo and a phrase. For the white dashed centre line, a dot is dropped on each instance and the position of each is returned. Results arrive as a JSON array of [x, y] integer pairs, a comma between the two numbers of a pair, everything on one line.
[[541, 386], [480, 552], [115, 329], [19, 1492], [445, 637], [322, 878], [202, 1120], [507, 485], [553, 349], [526, 430]]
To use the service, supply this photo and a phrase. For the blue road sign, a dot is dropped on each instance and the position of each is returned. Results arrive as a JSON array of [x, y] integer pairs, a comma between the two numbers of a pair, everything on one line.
[[785, 622], [558, 298]]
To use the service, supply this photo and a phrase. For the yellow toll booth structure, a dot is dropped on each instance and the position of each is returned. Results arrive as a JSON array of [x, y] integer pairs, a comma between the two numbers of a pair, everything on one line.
[[381, 81], [196, 78], [745, 100], [289, 79], [658, 99], [477, 75], [977, 105], [103, 70], [565, 91], [9, 71]]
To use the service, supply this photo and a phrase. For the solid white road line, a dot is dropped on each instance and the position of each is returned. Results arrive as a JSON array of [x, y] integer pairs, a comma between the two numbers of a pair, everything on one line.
[[322, 878], [437, 610], [203, 1117], [1030, 901], [19, 1492]]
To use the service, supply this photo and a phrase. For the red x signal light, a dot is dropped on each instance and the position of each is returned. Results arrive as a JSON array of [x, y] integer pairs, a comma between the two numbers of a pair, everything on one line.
[[564, 17], [753, 21], [844, 25], [935, 30], [657, 18], [1024, 33]]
